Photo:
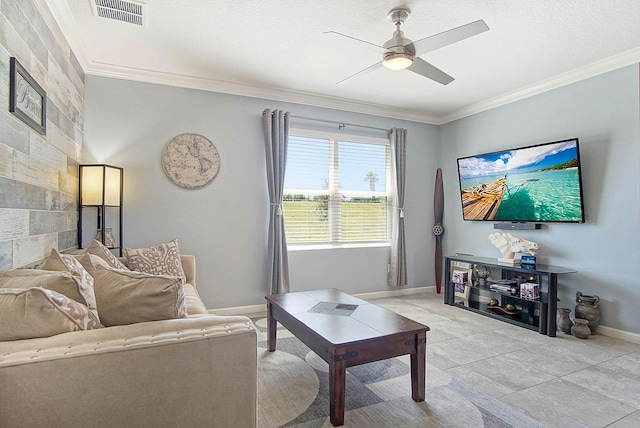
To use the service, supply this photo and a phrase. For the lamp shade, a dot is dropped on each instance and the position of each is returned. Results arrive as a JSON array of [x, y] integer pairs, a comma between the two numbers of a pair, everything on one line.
[[100, 185]]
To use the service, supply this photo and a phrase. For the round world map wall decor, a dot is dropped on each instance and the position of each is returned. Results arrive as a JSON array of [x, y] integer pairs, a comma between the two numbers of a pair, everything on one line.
[[190, 161]]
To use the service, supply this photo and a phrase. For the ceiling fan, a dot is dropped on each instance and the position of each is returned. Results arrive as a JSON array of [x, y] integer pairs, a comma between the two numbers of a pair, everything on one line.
[[400, 53]]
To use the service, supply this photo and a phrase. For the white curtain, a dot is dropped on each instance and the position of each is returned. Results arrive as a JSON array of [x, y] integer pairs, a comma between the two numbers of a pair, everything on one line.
[[398, 261], [276, 136]]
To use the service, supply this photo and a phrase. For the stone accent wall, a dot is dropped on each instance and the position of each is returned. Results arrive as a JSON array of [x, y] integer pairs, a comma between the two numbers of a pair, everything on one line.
[[39, 174]]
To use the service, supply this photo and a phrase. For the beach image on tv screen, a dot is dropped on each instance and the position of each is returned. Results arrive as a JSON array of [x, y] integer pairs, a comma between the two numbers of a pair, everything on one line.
[[537, 183]]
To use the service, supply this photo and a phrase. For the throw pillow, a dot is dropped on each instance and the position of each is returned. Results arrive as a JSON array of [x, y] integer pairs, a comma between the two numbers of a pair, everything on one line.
[[38, 312], [128, 297], [163, 259], [91, 262], [66, 262], [96, 248], [63, 282]]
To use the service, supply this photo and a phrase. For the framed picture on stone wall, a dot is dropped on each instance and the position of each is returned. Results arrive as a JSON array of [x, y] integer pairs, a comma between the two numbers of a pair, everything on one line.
[[27, 99]]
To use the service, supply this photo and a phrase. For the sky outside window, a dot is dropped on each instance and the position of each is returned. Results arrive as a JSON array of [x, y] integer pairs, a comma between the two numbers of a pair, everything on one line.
[[308, 165]]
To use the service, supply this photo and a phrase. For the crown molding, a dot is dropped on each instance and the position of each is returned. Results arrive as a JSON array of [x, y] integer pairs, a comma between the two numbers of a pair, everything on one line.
[[273, 94], [63, 16], [591, 70]]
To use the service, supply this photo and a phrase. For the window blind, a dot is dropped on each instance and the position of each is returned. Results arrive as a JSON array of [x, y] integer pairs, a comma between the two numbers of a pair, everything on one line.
[[337, 191]]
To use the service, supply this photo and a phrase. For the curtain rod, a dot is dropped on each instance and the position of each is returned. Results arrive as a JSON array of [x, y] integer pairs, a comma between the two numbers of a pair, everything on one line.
[[340, 124]]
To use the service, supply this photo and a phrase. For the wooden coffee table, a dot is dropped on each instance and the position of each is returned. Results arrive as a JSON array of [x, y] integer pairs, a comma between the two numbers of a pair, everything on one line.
[[346, 331]]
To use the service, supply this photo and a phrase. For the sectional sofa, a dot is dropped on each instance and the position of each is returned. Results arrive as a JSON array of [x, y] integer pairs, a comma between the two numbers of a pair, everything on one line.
[[196, 369]]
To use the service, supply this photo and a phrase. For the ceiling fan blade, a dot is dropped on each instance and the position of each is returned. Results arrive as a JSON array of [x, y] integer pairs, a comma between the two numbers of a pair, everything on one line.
[[427, 70], [438, 230], [362, 43], [448, 37], [367, 70]]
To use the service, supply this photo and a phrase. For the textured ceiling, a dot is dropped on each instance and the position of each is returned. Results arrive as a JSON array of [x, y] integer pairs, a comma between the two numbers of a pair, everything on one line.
[[276, 49]]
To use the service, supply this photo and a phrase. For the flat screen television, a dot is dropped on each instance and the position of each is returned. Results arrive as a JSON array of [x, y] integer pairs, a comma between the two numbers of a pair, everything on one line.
[[540, 183]]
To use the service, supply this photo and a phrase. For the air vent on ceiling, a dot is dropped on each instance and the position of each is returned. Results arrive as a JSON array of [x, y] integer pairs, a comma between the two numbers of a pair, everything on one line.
[[129, 11]]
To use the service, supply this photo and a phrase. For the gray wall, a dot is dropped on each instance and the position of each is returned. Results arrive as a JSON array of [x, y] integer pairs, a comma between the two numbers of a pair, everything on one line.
[[604, 113], [224, 224], [38, 174]]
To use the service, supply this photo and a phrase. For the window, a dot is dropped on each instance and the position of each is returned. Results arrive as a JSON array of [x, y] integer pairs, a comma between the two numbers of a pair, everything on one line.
[[337, 191]]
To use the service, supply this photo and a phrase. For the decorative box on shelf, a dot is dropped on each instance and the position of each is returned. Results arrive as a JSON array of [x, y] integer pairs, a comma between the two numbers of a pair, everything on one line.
[[529, 291]]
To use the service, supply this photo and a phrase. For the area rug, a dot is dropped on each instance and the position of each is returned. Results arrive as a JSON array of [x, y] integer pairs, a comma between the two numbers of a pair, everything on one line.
[[293, 391]]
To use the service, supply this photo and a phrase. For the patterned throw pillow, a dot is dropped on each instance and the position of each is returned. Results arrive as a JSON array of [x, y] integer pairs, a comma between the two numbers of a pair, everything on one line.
[[26, 313], [128, 297], [105, 254], [163, 259]]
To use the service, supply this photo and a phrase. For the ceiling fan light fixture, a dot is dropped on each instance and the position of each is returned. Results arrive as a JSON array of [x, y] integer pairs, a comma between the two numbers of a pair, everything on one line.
[[397, 61]]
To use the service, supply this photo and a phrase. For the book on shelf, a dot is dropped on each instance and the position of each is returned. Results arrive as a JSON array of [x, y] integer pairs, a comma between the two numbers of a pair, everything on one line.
[[509, 262], [461, 265], [511, 289]]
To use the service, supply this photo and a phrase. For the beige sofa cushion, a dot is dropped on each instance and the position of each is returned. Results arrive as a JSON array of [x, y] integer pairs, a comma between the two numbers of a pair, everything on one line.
[[128, 297], [26, 313], [73, 286], [193, 301], [162, 259], [96, 248], [91, 262], [68, 263]]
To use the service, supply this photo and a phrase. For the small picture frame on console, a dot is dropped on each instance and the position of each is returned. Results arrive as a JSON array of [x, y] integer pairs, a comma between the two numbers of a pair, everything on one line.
[[460, 276], [461, 279]]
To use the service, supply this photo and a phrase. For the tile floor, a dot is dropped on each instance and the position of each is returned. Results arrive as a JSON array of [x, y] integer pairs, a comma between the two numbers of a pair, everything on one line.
[[560, 382]]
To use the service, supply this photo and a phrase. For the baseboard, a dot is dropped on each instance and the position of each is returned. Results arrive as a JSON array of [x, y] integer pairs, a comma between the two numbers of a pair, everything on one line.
[[240, 310], [252, 309], [619, 334], [395, 293]]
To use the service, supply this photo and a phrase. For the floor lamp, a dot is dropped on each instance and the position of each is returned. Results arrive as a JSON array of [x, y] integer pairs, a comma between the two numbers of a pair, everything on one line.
[[100, 187]]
